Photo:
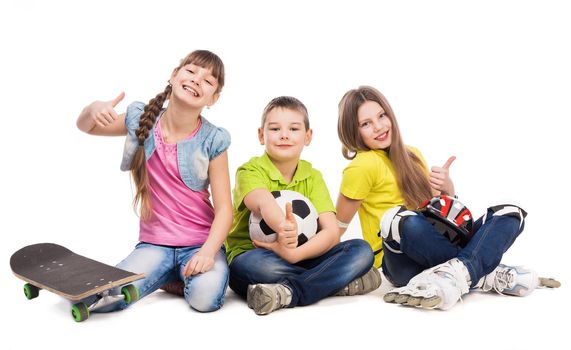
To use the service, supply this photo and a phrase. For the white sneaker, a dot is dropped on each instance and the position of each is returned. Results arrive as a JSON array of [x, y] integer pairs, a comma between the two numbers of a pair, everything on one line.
[[514, 280], [439, 287]]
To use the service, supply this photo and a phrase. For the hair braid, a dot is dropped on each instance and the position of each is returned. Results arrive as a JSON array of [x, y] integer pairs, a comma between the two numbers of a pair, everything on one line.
[[138, 165], [150, 113]]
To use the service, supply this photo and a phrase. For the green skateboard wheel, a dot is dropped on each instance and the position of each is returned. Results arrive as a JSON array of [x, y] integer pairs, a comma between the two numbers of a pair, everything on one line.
[[79, 312], [31, 291], [131, 293]]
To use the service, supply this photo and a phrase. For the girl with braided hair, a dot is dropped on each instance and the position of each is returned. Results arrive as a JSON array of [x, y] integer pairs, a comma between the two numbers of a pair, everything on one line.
[[174, 154]]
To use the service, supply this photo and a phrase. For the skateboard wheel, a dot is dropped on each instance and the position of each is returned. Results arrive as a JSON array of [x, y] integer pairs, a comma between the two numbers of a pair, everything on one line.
[[79, 312], [31, 291], [131, 293]]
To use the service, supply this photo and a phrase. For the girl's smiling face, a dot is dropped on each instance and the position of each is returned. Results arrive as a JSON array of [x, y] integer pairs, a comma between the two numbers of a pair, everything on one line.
[[195, 85], [374, 125]]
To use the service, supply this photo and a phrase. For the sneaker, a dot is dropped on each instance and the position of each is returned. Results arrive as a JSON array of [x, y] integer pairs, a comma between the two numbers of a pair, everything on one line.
[[439, 287], [176, 288], [250, 291], [265, 298], [362, 285], [515, 280]]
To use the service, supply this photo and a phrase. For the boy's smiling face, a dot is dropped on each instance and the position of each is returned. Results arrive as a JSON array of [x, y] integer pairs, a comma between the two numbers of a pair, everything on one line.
[[284, 134]]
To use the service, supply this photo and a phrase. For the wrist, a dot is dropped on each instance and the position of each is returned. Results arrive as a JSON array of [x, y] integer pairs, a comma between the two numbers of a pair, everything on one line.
[[208, 249], [291, 255], [294, 256]]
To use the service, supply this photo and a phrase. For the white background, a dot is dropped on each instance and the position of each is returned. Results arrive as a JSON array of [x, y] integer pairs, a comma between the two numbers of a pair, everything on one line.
[[487, 81]]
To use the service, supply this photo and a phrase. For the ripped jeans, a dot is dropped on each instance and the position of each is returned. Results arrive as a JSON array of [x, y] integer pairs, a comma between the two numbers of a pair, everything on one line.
[[204, 292]]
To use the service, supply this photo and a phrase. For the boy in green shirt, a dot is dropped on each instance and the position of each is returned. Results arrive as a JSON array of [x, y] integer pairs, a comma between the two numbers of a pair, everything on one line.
[[281, 274]]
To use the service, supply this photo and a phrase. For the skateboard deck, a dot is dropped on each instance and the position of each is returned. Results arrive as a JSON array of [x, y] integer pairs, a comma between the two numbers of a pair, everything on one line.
[[59, 270]]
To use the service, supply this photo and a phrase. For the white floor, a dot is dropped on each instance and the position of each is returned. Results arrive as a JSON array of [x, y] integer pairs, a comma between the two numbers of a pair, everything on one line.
[[483, 320], [486, 81]]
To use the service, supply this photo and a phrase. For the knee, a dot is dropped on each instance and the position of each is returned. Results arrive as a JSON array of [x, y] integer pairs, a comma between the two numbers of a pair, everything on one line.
[[413, 226], [352, 257], [508, 212], [362, 252], [205, 303], [205, 292], [205, 296], [393, 221]]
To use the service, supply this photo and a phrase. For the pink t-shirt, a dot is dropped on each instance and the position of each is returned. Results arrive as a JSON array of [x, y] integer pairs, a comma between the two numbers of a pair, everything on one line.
[[180, 216]]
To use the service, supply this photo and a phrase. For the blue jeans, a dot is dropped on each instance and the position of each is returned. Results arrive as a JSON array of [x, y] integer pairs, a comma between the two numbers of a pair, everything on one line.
[[309, 280], [422, 247], [204, 292]]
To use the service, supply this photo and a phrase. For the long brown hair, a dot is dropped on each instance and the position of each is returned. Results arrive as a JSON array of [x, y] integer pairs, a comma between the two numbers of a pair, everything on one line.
[[138, 168], [411, 177]]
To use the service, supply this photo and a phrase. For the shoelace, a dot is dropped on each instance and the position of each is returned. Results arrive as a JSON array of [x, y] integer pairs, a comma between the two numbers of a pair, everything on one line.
[[503, 280]]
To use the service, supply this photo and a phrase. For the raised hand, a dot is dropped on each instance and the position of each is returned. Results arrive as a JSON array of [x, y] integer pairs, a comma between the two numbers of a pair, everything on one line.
[[440, 178], [103, 112], [99, 113], [287, 233]]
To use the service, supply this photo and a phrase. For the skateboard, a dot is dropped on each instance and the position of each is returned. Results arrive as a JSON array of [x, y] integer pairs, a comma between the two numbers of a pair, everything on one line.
[[59, 270]]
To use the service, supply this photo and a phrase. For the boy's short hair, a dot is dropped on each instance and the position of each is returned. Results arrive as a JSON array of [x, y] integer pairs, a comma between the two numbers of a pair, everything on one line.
[[287, 102]]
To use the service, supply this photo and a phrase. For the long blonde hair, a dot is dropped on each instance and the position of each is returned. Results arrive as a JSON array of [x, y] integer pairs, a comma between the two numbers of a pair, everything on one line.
[[138, 168], [411, 177]]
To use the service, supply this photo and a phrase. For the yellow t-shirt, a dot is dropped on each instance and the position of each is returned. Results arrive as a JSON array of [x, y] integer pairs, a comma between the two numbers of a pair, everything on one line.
[[370, 177], [260, 172]]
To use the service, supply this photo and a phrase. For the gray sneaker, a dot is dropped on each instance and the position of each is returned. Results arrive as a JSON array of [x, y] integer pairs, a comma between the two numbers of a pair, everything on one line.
[[362, 285], [265, 298]]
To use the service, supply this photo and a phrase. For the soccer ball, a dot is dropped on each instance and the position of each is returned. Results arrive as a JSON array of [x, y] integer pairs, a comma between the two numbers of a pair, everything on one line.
[[304, 212]]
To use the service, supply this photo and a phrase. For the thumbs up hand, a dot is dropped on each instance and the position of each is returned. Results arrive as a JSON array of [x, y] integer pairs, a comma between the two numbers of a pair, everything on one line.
[[103, 112], [440, 178], [287, 233], [99, 113]]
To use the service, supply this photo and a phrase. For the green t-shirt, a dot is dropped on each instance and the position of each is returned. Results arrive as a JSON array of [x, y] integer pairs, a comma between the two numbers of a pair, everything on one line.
[[260, 172]]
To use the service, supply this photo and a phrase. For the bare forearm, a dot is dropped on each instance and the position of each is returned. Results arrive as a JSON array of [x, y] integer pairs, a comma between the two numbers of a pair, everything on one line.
[[323, 241], [261, 202], [84, 122], [272, 214], [218, 231], [100, 118], [317, 246], [346, 210]]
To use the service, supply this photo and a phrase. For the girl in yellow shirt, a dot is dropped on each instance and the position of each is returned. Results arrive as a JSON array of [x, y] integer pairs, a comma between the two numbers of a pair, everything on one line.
[[431, 271]]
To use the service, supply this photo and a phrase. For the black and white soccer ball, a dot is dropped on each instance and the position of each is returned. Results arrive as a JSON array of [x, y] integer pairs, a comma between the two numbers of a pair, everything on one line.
[[303, 210]]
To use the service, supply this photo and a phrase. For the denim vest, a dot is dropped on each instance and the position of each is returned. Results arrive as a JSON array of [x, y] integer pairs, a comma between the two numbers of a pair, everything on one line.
[[194, 155]]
